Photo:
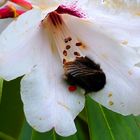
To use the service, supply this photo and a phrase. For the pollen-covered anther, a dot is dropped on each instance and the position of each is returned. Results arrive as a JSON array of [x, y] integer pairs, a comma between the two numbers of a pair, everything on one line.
[[85, 73]]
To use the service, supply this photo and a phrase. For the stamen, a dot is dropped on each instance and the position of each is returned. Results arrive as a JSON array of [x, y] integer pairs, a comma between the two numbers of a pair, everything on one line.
[[85, 73]]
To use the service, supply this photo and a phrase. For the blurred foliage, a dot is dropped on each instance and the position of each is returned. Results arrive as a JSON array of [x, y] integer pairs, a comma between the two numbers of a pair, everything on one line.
[[11, 112], [94, 123]]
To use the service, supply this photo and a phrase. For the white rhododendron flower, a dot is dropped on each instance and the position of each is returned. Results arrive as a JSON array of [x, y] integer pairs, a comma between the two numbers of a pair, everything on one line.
[[66, 50]]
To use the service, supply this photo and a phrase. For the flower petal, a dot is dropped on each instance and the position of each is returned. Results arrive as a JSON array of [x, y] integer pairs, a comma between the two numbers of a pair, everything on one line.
[[20, 35], [46, 3], [120, 19], [127, 33], [47, 102], [123, 4], [115, 5], [4, 23], [122, 91], [17, 48]]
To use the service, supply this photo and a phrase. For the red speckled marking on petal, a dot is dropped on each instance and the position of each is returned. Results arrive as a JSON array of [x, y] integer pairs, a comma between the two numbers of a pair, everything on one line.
[[71, 10]]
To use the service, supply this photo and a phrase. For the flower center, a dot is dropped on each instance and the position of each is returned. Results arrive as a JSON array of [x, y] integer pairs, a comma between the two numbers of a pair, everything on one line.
[[79, 70]]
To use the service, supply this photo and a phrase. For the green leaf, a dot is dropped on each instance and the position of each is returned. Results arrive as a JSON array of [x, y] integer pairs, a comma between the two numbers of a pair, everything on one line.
[[1, 85], [107, 125], [26, 132], [43, 136], [137, 119], [11, 109], [82, 129], [5, 137]]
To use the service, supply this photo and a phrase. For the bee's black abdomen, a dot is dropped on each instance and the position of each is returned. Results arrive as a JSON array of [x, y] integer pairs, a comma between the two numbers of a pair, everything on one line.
[[85, 73]]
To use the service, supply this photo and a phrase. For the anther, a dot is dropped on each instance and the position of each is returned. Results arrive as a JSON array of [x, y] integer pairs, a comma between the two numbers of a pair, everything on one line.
[[85, 73]]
